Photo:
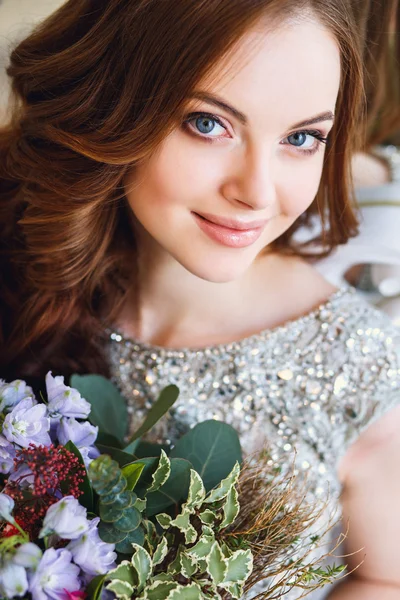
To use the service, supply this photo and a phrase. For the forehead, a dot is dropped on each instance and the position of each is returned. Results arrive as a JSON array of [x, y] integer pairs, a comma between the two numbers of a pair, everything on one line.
[[281, 73]]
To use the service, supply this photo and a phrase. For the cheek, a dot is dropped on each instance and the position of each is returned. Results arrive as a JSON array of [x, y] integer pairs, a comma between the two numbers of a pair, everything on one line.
[[298, 188]]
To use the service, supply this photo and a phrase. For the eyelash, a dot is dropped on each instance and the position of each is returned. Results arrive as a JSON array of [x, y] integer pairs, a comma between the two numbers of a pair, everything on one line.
[[318, 135]]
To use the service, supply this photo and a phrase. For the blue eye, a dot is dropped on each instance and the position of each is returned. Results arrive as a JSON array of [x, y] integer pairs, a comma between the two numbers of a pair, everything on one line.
[[297, 139], [205, 125]]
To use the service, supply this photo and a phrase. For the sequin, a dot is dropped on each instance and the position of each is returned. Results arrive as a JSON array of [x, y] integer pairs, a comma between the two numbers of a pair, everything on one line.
[[313, 384]]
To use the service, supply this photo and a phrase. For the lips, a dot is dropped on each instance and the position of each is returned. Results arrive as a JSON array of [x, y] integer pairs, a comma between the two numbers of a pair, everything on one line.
[[230, 232], [234, 224]]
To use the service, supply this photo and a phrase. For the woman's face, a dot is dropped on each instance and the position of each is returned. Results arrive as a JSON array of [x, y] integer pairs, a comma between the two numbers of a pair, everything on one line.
[[247, 161]]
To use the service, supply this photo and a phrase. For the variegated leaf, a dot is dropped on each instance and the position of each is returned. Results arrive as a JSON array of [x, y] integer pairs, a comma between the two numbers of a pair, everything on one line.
[[160, 552], [161, 474], [188, 565], [124, 572], [202, 549], [140, 504], [159, 590], [164, 520], [216, 564], [207, 517], [223, 489], [142, 563], [182, 522], [187, 592], [231, 507], [197, 491], [121, 589], [240, 566], [235, 589]]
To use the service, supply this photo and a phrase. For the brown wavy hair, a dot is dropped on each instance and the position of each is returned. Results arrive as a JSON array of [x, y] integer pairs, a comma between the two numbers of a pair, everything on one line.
[[96, 87], [379, 26]]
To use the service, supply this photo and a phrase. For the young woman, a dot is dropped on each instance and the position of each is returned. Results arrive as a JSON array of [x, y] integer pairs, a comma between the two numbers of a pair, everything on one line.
[[160, 158]]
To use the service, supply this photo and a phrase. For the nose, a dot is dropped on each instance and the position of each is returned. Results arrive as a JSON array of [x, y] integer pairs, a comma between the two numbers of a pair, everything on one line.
[[251, 181]]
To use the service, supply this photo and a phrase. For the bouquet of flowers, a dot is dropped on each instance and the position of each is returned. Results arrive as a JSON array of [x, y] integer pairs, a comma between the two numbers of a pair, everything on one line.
[[87, 513]]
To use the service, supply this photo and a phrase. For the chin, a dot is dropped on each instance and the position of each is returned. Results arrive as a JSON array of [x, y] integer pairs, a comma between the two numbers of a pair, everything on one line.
[[215, 272]]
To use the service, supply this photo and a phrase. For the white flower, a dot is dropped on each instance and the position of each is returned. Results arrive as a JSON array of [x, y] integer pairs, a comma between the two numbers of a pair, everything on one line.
[[7, 455], [6, 508], [66, 518], [27, 424], [64, 401], [12, 393], [27, 555], [94, 556], [54, 575], [13, 580], [81, 434]]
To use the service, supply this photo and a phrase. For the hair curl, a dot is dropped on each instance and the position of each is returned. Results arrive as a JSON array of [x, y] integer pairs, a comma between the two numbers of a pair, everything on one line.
[[96, 88]]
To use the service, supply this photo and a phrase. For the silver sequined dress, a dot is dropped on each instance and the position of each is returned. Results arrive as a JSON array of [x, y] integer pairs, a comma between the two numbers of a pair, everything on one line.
[[313, 384]]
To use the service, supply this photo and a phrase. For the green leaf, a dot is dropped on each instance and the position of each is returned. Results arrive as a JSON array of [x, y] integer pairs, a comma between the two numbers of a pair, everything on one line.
[[86, 499], [132, 473], [130, 519], [182, 522], [159, 590], [197, 491], [109, 513], [202, 549], [187, 592], [160, 552], [124, 572], [131, 448], [222, 490], [108, 533], [161, 474], [95, 587], [142, 563], [140, 504], [145, 449], [240, 566], [207, 517], [121, 457], [109, 410], [164, 520], [150, 465], [217, 564], [188, 565], [173, 491], [121, 589], [213, 448], [165, 400], [122, 500], [134, 537], [106, 439], [231, 508]]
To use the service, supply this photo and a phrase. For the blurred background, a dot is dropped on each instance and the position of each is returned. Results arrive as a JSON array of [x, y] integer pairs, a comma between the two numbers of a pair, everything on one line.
[[371, 261]]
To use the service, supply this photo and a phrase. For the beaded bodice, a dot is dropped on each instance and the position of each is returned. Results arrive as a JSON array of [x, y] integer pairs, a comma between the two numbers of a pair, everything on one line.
[[311, 385]]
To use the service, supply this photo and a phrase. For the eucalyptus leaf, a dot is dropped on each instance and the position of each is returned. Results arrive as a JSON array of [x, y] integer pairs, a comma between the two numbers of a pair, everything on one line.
[[213, 448], [86, 499], [129, 520], [109, 513], [108, 533], [108, 410], [166, 399], [134, 537]]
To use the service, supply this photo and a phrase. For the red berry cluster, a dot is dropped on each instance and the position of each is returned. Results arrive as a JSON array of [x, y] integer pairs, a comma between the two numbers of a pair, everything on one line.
[[56, 472]]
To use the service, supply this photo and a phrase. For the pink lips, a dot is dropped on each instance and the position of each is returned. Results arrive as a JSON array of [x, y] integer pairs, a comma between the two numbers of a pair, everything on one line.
[[230, 232]]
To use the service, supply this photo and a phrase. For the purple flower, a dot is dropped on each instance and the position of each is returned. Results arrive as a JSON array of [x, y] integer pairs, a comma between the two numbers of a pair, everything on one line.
[[13, 579], [94, 556], [64, 401], [27, 555], [7, 455], [27, 424], [81, 434], [54, 575], [12, 393], [66, 518], [6, 508]]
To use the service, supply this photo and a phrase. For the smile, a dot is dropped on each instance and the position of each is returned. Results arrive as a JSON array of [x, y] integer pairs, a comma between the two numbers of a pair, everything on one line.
[[230, 232]]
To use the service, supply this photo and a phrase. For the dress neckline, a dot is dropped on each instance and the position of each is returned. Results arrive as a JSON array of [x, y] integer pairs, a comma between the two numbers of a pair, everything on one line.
[[116, 336]]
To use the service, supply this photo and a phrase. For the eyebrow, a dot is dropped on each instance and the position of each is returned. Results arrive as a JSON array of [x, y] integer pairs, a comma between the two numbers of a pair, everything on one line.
[[211, 99]]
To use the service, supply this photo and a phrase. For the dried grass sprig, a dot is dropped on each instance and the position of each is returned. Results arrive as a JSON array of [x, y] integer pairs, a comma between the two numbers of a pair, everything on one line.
[[275, 521]]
